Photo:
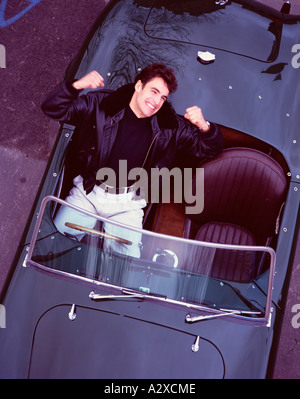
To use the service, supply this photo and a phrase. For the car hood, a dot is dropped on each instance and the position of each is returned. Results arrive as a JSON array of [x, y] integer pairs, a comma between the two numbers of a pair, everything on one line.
[[101, 344]]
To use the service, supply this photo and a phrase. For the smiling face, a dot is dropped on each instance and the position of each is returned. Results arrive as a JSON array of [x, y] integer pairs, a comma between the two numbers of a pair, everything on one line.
[[148, 99]]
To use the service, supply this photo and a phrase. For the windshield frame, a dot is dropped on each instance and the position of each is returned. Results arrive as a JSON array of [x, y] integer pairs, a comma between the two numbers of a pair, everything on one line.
[[265, 320]]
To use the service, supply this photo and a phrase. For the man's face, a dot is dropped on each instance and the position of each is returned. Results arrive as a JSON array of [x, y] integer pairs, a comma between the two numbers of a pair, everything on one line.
[[147, 100]]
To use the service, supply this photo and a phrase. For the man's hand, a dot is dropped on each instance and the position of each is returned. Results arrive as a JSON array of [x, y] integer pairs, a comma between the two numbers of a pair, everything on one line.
[[195, 116], [92, 80]]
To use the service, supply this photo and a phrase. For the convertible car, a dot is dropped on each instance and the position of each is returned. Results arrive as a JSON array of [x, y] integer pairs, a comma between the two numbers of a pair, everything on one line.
[[205, 299]]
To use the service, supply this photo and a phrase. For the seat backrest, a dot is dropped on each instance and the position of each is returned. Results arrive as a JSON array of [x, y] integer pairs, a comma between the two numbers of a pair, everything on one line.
[[245, 187]]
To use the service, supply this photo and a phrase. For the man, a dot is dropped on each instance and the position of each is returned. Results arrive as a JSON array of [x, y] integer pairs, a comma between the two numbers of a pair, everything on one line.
[[135, 124]]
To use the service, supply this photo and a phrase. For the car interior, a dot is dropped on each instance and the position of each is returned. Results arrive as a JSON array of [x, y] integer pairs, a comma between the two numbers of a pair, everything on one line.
[[245, 188]]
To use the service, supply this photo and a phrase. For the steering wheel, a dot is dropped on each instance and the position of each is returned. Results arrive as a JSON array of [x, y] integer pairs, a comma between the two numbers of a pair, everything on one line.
[[98, 233]]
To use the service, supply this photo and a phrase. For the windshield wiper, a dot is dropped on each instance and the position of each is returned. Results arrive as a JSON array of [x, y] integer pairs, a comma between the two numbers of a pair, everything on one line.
[[188, 318], [126, 295], [246, 301], [193, 319]]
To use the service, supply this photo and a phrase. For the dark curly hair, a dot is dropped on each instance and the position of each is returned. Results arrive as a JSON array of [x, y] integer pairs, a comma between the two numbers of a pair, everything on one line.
[[160, 70]]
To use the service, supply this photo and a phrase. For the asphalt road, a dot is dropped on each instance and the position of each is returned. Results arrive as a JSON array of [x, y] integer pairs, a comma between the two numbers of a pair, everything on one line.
[[39, 43], [38, 39]]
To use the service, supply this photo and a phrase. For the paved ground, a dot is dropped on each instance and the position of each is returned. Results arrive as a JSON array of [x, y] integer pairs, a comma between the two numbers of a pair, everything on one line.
[[39, 44], [38, 47]]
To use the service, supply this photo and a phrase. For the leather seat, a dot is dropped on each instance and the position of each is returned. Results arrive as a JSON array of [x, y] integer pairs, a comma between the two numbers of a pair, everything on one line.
[[244, 190]]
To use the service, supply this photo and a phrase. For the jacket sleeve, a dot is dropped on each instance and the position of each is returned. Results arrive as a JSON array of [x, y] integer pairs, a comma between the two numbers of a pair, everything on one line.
[[65, 105], [196, 144]]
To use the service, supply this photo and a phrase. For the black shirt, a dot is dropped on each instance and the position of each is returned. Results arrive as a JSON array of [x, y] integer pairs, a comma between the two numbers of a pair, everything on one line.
[[132, 143]]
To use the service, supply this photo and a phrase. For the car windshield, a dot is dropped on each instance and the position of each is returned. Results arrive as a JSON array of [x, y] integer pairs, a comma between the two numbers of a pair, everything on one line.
[[170, 269]]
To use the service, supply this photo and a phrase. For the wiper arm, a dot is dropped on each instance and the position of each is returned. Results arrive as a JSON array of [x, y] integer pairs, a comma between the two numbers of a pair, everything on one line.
[[246, 301], [126, 295], [193, 319]]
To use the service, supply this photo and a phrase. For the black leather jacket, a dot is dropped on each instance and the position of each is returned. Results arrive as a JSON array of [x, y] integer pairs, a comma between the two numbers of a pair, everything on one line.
[[97, 115]]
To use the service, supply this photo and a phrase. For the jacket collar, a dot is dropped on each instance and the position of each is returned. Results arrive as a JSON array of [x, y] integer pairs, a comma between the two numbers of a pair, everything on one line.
[[119, 99]]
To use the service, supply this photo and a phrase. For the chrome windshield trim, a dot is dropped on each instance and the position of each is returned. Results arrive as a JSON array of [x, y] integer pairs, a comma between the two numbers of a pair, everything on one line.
[[269, 250]]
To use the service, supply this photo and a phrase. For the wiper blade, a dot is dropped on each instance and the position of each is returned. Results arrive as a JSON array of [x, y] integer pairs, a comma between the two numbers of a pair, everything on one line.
[[246, 301], [193, 319], [126, 295]]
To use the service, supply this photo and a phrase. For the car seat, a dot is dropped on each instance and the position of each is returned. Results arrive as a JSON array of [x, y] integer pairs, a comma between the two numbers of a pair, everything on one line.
[[244, 191]]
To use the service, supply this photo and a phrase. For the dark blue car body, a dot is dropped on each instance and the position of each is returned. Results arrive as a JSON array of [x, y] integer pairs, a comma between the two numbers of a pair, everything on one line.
[[56, 326]]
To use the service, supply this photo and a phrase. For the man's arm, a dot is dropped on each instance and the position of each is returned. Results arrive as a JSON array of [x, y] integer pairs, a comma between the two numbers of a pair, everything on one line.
[[195, 116], [92, 80], [199, 138], [64, 103]]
